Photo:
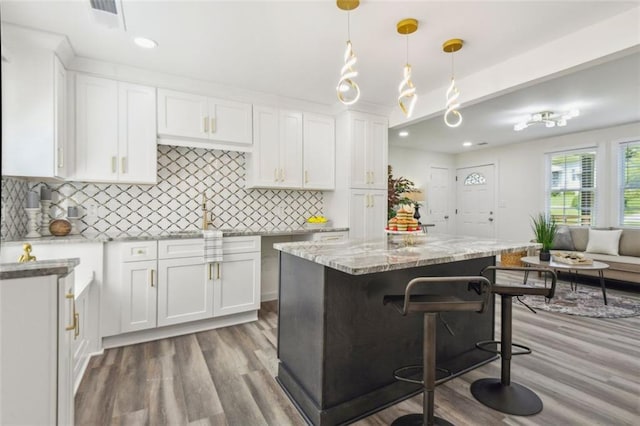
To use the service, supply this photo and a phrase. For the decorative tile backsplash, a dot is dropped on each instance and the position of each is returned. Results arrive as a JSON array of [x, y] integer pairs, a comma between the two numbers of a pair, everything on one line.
[[174, 204]]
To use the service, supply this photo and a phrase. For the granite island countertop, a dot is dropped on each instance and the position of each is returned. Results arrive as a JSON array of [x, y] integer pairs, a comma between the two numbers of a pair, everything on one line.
[[359, 257], [60, 267], [177, 234]]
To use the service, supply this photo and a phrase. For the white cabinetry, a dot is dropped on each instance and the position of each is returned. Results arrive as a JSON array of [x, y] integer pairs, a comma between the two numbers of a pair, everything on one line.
[[318, 151], [210, 120], [37, 315], [369, 151], [276, 160], [115, 131], [34, 115], [139, 294], [368, 214]]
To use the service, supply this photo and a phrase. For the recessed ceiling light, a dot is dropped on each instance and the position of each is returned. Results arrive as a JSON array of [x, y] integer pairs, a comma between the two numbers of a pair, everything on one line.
[[467, 143], [403, 133], [144, 42]]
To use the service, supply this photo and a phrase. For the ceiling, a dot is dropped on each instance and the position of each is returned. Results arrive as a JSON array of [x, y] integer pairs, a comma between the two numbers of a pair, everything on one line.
[[294, 49]]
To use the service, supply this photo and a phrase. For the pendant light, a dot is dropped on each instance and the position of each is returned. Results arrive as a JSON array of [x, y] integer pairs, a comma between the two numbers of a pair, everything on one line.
[[452, 116], [347, 90], [407, 90]]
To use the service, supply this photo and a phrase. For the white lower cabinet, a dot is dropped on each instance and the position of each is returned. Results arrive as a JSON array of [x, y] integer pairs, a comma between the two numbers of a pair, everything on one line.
[[367, 214], [185, 288], [138, 295], [237, 285], [37, 315]]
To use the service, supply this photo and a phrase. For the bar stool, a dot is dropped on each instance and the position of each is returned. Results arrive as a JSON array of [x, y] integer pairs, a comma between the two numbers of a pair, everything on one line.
[[503, 394], [431, 306]]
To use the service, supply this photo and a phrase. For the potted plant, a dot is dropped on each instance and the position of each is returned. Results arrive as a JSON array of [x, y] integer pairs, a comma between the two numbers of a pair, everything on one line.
[[396, 194], [544, 229]]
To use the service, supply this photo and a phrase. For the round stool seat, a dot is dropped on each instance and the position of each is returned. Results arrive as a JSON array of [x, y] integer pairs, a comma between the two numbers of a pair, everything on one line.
[[513, 399]]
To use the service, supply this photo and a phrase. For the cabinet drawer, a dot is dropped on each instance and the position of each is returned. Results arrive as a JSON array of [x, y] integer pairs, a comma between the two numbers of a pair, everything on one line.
[[139, 250], [330, 236], [171, 249], [232, 245]]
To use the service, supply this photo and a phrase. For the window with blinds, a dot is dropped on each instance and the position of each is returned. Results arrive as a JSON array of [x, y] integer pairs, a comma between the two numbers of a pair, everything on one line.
[[571, 194], [629, 166]]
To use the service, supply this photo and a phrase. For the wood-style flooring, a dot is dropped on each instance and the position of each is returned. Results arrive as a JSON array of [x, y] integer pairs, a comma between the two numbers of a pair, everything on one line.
[[586, 371]]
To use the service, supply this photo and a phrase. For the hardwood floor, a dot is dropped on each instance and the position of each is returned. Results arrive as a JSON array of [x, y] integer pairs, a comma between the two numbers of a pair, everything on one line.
[[586, 371]]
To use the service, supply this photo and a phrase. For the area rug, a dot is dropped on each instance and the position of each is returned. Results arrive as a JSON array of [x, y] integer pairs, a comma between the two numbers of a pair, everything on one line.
[[585, 302]]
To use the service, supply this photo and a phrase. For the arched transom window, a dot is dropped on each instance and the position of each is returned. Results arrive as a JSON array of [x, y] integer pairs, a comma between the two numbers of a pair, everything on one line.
[[475, 179]]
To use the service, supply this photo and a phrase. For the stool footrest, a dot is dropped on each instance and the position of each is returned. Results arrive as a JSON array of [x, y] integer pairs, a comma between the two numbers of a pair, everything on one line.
[[397, 374], [483, 347]]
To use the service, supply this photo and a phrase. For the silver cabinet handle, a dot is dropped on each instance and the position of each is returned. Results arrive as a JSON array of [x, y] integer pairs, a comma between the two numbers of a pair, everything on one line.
[[206, 124]]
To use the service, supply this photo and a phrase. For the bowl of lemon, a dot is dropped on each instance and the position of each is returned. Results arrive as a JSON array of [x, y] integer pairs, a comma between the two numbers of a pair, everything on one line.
[[317, 221]]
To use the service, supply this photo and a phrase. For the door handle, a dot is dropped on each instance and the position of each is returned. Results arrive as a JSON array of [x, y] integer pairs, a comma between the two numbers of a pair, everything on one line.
[[446, 217], [210, 271], [206, 124], [275, 174], [114, 164], [73, 312], [306, 176], [60, 157], [213, 124], [490, 219], [123, 162], [151, 277], [218, 264]]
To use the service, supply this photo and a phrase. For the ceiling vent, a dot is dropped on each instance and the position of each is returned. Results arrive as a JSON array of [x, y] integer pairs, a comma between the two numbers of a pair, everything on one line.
[[108, 13]]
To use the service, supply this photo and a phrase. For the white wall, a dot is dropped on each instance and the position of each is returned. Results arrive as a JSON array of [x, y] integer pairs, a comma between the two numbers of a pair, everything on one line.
[[521, 184]]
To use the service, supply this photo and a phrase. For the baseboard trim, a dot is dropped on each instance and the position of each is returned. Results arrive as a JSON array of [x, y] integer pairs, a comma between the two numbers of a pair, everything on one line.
[[272, 295]]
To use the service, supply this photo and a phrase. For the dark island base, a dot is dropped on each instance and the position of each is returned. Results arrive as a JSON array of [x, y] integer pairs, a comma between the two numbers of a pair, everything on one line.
[[338, 344]]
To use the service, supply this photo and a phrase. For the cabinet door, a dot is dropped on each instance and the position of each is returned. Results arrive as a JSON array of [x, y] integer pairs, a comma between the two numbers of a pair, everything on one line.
[[358, 209], [290, 149], [377, 156], [61, 144], [359, 164], [67, 329], [138, 297], [237, 287], [96, 129], [230, 121], [318, 152], [185, 289], [182, 114], [376, 214], [137, 150], [265, 160]]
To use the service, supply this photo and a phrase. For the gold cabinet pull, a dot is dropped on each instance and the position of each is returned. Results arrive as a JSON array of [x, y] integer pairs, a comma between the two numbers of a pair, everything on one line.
[[76, 320], [210, 271], [206, 124], [275, 174], [373, 178], [282, 175], [151, 277], [123, 164], [213, 124], [73, 310], [373, 201], [218, 275], [60, 157], [306, 176], [114, 164]]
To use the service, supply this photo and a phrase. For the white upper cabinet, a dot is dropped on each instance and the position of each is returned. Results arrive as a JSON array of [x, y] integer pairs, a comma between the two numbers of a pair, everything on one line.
[[34, 115], [186, 119], [276, 160], [291, 150], [115, 131], [369, 151], [319, 152]]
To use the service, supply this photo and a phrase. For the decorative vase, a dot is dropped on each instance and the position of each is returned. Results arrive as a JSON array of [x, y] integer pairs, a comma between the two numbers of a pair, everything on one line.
[[545, 255]]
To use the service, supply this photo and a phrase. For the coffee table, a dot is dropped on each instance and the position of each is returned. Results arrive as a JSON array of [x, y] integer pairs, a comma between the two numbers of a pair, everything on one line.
[[595, 266]]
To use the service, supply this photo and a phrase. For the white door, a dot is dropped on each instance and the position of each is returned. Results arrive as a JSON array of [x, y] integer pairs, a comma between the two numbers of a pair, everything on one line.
[[290, 149], [237, 284], [319, 142], [67, 331], [182, 114], [476, 201], [377, 214], [230, 121], [359, 140], [96, 129], [377, 153], [139, 295], [137, 133], [359, 203], [266, 147], [185, 289], [437, 209], [61, 155]]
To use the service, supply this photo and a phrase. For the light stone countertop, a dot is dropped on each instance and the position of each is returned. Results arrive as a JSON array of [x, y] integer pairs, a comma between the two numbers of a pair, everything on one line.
[[60, 267], [364, 257], [165, 235]]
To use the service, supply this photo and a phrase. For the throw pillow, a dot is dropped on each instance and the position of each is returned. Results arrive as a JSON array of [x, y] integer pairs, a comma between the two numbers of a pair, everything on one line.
[[563, 240], [604, 242]]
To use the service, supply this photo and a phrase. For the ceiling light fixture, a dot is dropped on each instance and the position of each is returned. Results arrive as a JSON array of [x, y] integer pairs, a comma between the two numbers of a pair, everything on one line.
[[548, 118], [451, 46], [403, 133], [467, 143], [146, 43], [407, 90], [347, 90]]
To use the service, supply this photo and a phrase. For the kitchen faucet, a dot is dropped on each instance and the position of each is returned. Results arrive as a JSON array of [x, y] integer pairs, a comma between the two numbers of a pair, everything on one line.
[[206, 222]]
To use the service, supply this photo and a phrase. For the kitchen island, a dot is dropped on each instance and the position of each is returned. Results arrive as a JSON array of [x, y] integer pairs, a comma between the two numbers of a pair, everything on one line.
[[338, 345]]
